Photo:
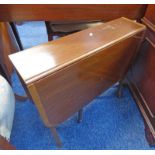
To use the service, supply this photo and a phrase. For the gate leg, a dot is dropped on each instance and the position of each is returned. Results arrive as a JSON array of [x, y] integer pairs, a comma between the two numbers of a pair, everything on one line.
[[56, 137], [149, 136], [119, 92], [80, 113]]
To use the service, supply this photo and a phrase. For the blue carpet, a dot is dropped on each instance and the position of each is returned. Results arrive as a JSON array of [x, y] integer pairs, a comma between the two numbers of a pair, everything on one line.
[[108, 122]]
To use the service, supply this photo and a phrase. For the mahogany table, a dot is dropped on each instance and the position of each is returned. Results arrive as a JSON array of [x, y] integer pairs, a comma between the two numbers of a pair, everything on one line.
[[70, 12], [64, 75]]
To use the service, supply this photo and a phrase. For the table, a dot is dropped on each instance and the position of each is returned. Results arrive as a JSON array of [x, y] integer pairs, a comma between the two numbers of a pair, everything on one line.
[[64, 75], [58, 13], [70, 12]]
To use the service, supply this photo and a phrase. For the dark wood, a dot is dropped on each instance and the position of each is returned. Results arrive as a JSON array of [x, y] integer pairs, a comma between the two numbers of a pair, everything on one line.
[[64, 75], [70, 12], [67, 12], [8, 45], [62, 29], [50, 33], [15, 31], [56, 137], [142, 76], [119, 92], [5, 145], [149, 129], [80, 114], [59, 52], [149, 15], [149, 136]]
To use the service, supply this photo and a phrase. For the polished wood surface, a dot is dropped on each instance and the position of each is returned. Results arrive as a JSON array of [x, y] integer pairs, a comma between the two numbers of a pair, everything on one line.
[[70, 12], [60, 13], [149, 16], [64, 75], [142, 76], [66, 91], [40, 61], [5, 145], [8, 45]]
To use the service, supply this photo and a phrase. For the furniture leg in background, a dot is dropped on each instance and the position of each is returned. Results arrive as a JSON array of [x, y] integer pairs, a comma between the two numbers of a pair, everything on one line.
[[8, 46], [141, 78], [80, 114], [119, 92], [16, 34], [149, 136], [63, 28]]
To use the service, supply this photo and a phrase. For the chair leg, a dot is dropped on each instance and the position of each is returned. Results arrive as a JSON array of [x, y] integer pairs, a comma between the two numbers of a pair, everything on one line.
[[15, 31], [20, 98], [119, 92], [80, 113], [49, 31], [56, 137]]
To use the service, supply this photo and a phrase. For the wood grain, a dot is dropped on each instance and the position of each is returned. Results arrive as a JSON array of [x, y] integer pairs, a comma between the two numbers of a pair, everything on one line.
[[149, 15], [64, 75], [66, 91], [142, 76], [70, 12], [8, 45], [44, 59]]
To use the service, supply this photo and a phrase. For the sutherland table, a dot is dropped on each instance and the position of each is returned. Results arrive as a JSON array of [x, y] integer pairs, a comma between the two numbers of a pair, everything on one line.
[[64, 75]]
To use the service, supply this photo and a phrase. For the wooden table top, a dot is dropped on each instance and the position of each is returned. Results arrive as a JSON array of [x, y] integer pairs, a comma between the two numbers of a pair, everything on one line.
[[70, 12], [37, 62]]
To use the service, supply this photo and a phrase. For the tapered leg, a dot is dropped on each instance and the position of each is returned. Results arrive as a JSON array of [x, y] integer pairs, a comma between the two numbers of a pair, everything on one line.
[[119, 92], [80, 113], [50, 33], [15, 31], [56, 137], [149, 136]]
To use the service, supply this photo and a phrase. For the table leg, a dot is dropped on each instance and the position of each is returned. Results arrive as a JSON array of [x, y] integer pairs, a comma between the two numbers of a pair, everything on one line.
[[80, 114], [149, 136], [15, 31], [20, 98], [119, 92], [56, 137]]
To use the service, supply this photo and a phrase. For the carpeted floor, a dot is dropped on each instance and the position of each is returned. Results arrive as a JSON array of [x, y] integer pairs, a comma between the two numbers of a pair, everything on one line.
[[108, 122]]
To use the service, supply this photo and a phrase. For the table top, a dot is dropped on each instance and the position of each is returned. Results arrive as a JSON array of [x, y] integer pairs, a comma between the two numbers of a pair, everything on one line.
[[37, 62], [70, 12]]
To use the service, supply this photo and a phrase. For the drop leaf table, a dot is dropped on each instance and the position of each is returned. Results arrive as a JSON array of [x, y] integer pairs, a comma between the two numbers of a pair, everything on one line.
[[64, 75]]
